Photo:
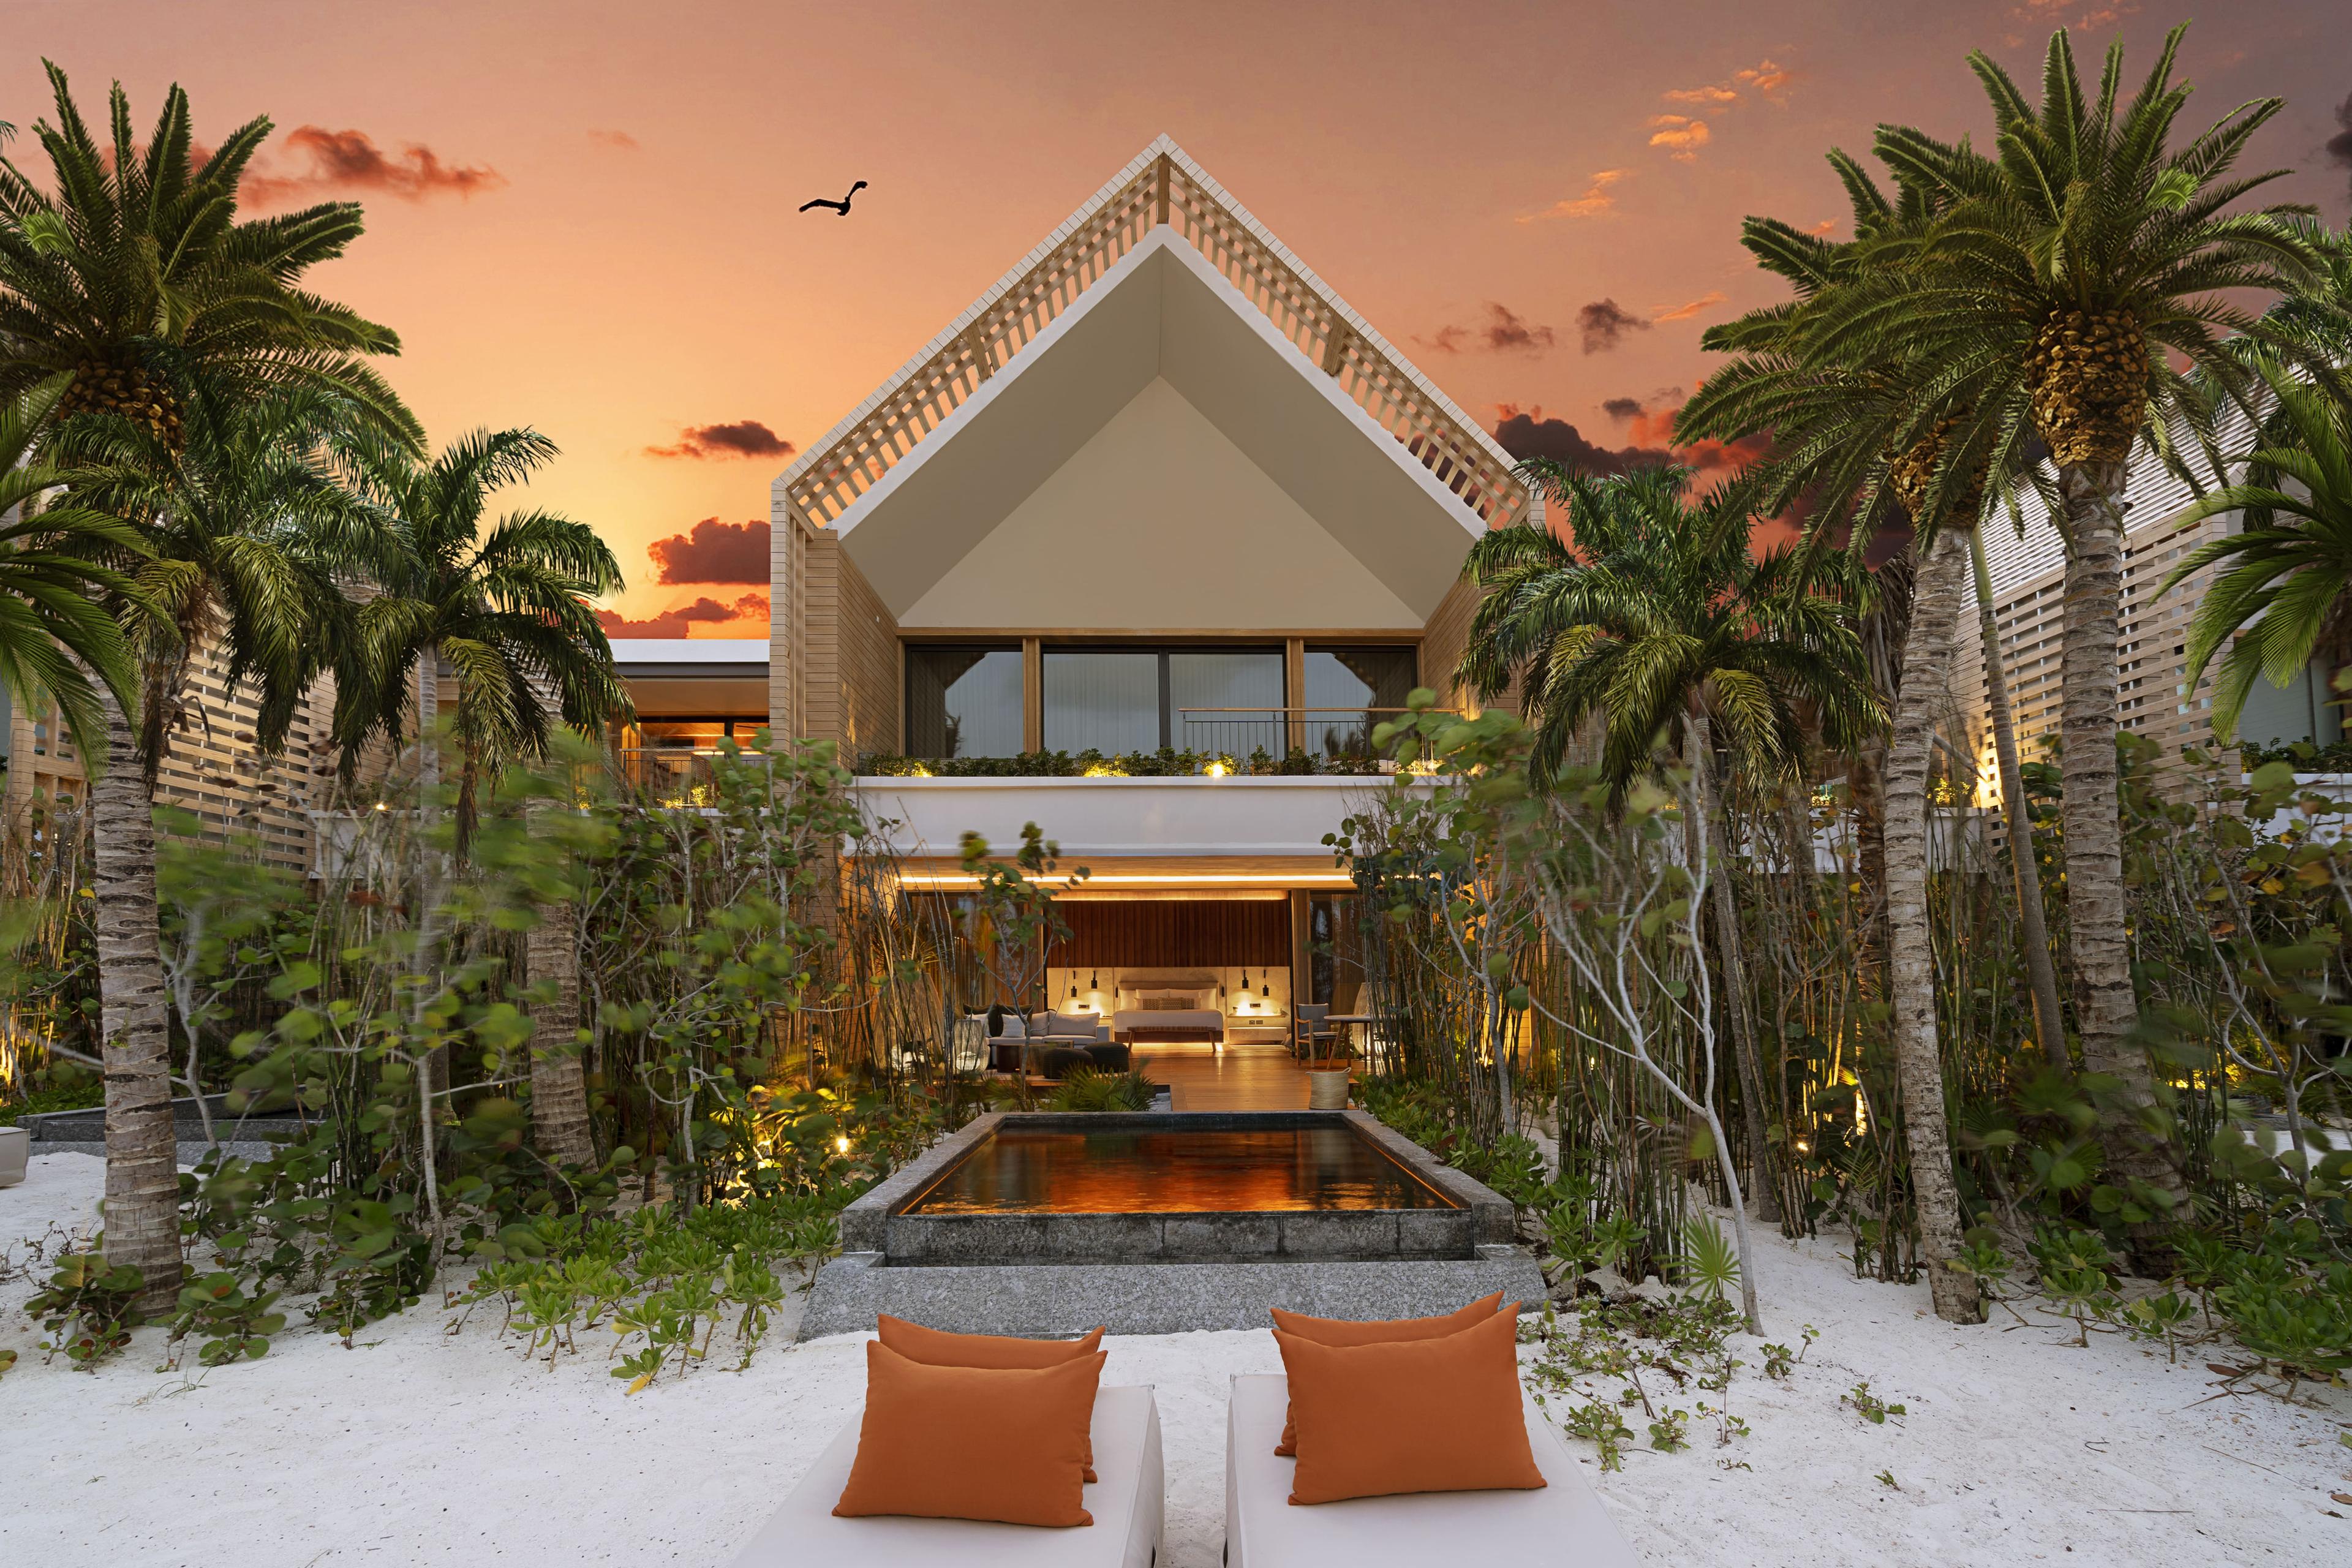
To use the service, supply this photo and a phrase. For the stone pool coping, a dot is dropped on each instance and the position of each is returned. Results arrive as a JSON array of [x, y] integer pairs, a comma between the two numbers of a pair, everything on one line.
[[1060, 1300], [1165, 1273]]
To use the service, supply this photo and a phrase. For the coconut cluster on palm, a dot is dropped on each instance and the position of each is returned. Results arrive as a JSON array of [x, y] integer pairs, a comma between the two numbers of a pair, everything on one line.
[[127, 389]]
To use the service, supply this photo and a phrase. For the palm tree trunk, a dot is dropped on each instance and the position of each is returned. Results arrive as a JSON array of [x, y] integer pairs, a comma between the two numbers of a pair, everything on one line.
[[428, 786], [559, 1086], [1867, 779], [2033, 930], [1927, 653], [428, 716], [1735, 971], [2091, 810], [142, 1166]]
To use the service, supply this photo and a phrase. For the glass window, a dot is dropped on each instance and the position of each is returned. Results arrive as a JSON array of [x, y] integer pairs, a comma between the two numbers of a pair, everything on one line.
[[1138, 700], [1227, 700], [1359, 682], [1104, 701], [963, 701]]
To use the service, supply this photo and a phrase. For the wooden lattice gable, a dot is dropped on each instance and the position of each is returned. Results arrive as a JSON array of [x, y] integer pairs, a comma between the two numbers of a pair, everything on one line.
[[1160, 185]]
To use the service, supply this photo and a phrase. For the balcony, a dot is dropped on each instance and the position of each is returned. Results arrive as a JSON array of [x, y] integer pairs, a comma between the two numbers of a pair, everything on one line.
[[1234, 817]]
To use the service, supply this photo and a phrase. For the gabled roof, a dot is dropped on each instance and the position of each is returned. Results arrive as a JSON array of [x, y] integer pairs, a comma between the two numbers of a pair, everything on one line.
[[1162, 186], [1161, 455]]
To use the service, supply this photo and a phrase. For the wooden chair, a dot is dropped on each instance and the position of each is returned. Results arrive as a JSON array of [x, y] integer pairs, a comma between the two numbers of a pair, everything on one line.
[[1308, 1028]]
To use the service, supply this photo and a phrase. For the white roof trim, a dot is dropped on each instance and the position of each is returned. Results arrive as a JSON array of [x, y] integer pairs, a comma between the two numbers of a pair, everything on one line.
[[1161, 146]]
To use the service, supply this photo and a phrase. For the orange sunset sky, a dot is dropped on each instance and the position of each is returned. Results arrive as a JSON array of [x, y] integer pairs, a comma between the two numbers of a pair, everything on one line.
[[580, 215]]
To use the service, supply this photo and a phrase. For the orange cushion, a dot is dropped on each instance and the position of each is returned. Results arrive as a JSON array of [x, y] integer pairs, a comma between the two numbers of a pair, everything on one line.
[[936, 1347], [1346, 1331], [968, 1442], [1414, 1415]]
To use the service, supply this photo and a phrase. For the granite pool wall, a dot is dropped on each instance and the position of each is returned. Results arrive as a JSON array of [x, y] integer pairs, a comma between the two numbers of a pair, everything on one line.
[[1041, 1274]]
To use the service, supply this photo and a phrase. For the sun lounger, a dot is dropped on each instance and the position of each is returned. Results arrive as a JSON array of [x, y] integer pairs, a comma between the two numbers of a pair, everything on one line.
[[1562, 1523], [1127, 1503]]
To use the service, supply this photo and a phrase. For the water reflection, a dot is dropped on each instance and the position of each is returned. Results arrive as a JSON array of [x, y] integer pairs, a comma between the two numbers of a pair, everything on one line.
[[1026, 1170]]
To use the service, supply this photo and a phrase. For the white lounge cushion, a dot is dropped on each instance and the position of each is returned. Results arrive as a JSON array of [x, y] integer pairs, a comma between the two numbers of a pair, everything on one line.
[[1562, 1523], [1129, 1502]]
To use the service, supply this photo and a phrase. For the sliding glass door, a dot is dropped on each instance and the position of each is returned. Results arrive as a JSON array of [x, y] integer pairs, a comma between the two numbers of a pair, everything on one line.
[[1122, 700]]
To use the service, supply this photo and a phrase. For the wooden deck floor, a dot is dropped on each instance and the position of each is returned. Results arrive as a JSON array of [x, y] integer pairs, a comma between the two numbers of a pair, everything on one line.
[[1239, 1077]]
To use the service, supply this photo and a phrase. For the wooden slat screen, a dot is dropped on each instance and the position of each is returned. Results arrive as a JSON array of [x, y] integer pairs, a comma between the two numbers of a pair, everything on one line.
[[1174, 933]]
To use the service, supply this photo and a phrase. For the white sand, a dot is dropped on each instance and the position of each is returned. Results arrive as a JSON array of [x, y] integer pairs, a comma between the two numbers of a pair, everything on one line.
[[419, 1448]]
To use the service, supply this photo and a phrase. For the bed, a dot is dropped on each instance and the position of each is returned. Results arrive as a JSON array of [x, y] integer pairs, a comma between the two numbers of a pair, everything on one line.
[[1170, 1014]]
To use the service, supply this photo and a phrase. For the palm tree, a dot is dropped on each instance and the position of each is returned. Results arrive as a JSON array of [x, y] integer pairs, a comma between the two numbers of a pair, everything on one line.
[[137, 277], [509, 612], [2286, 573], [54, 633], [1848, 431], [1852, 433], [245, 533], [130, 270], [2055, 273], [1655, 615]]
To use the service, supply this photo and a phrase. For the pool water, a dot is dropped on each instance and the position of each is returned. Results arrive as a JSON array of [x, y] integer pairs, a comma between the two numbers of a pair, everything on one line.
[[1162, 1170]]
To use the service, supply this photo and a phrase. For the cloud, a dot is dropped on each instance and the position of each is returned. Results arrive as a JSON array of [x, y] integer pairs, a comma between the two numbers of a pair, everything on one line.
[[1655, 425], [2339, 146], [1630, 408], [1596, 201], [1604, 323], [714, 552], [674, 621], [1827, 226], [613, 140], [1685, 311], [1526, 433], [1503, 333], [1765, 78], [350, 161], [743, 438], [2045, 12], [1683, 135], [1680, 134]]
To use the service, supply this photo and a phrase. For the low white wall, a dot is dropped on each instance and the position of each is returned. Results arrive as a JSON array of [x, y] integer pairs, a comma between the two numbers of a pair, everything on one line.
[[1120, 816]]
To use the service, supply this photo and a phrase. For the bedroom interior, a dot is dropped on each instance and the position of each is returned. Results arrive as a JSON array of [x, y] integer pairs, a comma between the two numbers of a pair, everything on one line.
[[1202, 968]]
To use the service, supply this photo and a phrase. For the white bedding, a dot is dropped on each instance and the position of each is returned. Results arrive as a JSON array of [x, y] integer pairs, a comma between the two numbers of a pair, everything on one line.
[[1203, 1019]]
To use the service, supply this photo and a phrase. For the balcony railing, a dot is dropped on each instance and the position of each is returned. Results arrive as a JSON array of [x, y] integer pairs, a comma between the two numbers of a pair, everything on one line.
[[1277, 732]]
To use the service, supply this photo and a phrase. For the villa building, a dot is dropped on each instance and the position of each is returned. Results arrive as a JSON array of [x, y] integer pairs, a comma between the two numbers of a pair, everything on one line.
[[2027, 568], [1159, 488]]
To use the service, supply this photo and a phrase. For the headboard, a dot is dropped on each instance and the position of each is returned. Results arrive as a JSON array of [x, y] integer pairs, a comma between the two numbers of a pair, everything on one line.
[[1166, 980]]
